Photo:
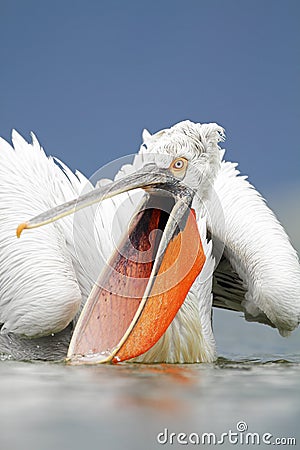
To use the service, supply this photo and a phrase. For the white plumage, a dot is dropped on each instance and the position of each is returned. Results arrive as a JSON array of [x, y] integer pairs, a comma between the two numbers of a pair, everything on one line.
[[259, 251], [46, 276], [39, 293]]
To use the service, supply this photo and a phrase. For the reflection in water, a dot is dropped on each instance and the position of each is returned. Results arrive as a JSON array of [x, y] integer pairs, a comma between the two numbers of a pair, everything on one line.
[[126, 406], [158, 395]]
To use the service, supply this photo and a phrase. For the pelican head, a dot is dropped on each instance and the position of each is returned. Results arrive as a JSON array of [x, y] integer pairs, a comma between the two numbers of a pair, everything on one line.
[[197, 143]]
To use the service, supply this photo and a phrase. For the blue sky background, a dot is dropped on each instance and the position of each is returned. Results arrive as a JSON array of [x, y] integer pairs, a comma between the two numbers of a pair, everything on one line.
[[87, 76]]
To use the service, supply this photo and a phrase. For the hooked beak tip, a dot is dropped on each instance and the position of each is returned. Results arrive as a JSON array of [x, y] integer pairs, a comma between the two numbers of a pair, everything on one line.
[[20, 228]]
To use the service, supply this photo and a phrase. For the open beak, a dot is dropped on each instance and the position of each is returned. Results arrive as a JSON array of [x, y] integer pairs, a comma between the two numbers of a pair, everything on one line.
[[148, 276]]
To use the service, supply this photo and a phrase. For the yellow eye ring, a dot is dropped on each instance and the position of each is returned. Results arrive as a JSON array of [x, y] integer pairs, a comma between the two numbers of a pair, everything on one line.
[[179, 164]]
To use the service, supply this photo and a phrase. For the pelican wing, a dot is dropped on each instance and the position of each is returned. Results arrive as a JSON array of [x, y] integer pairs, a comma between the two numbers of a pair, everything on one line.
[[229, 292], [39, 293], [46, 276], [259, 272]]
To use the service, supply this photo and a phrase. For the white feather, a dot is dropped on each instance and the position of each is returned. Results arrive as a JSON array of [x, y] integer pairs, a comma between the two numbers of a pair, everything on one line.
[[259, 250], [39, 292], [47, 275]]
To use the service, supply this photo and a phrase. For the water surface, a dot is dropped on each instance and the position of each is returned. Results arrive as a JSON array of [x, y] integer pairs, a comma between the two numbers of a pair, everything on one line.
[[255, 380]]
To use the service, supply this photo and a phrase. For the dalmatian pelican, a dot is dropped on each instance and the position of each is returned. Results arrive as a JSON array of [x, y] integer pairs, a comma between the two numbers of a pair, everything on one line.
[[177, 232]]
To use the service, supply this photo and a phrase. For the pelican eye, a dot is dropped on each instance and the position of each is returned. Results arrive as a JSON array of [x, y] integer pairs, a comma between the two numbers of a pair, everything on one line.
[[179, 165]]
